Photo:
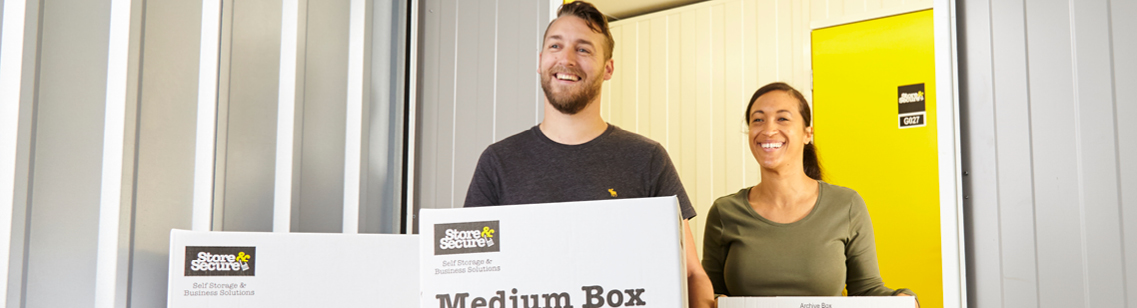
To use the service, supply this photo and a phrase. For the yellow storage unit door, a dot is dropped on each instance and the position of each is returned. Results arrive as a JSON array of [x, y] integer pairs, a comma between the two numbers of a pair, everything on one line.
[[874, 120]]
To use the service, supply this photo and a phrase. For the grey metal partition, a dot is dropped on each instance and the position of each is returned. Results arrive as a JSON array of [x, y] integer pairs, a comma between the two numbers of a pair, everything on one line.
[[63, 202], [478, 74], [71, 247], [1047, 92]]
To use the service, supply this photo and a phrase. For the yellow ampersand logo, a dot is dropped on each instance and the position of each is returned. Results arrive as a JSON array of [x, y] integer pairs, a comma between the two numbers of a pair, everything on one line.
[[487, 232], [241, 256]]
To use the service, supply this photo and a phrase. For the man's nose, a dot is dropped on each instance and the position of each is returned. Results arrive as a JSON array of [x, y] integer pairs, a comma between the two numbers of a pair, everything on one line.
[[568, 58]]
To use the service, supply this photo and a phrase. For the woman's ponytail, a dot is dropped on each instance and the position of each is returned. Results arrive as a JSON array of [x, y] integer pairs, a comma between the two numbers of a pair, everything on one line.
[[810, 162]]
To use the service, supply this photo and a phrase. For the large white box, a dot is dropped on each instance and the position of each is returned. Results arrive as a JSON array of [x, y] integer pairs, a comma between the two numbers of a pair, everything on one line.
[[818, 302], [251, 269], [589, 254]]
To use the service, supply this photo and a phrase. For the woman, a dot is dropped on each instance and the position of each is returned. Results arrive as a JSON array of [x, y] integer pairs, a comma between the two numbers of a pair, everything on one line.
[[792, 234]]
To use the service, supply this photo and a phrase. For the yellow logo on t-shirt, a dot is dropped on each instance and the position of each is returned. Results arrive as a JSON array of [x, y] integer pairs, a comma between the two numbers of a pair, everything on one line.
[[612, 191]]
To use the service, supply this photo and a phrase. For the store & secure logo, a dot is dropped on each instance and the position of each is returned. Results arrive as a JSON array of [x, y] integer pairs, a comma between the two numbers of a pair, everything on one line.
[[220, 261], [911, 108], [467, 237]]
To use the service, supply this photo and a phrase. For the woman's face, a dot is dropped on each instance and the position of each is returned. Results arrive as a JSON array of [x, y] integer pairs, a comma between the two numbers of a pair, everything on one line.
[[778, 133]]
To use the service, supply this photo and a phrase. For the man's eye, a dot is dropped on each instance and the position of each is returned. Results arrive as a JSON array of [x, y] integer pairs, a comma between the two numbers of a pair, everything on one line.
[[554, 46], [584, 50], [783, 119]]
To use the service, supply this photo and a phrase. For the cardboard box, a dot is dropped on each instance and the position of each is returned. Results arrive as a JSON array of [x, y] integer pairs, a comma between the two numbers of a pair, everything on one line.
[[591, 254], [252, 269], [818, 302]]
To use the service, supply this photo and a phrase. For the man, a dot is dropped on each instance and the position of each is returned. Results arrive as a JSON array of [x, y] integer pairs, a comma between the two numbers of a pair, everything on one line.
[[573, 155]]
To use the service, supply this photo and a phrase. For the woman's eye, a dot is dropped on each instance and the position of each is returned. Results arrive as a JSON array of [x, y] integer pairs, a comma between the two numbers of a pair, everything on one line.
[[756, 120], [783, 119]]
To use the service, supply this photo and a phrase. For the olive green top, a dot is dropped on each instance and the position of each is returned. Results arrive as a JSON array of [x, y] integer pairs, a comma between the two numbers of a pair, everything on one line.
[[831, 249]]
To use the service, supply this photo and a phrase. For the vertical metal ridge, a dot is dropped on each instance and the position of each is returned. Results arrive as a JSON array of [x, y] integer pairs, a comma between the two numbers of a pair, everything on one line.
[[637, 91], [667, 79], [132, 221], [285, 117], [778, 42], [1078, 149], [1117, 153], [410, 114], [207, 85], [1030, 145], [995, 133], [31, 156], [496, 29], [110, 195], [454, 103], [711, 101], [222, 161], [11, 73], [353, 136]]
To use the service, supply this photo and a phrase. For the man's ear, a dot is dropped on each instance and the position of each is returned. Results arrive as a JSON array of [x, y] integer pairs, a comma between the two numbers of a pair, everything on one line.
[[609, 67], [539, 56]]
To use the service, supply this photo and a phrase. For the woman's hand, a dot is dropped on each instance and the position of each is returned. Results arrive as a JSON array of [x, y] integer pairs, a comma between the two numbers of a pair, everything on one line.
[[717, 296]]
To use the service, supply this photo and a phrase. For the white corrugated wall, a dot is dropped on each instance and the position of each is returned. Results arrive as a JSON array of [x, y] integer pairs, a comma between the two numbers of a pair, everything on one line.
[[1047, 90]]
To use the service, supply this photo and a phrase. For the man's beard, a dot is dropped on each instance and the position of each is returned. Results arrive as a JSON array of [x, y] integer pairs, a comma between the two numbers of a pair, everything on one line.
[[572, 102]]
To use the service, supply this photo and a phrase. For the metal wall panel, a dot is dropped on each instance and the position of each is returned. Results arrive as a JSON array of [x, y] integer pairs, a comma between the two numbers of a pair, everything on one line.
[[381, 211], [58, 228], [1046, 139], [24, 159], [479, 85], [1014, 149], [1055, 177], [247, 174], [980, 184], [1122, 17], [683, 77], [469, 133], [1016, 199], [321, 177], [429, 99], [821, 10], [167, 110], [1096, 161], [251, 128], [444, 113], [64, 203]]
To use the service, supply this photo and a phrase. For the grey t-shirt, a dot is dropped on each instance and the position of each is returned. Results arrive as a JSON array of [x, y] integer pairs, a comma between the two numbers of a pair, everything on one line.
[[531, 168]]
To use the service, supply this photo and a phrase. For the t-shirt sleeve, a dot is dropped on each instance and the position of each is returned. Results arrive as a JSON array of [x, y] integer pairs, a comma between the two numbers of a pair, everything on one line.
[[484, 189], [667, 182], [863, 277], [714, 251]]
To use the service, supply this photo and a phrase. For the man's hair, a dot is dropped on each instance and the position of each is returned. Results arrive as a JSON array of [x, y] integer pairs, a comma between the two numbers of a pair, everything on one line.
[[592, 17]]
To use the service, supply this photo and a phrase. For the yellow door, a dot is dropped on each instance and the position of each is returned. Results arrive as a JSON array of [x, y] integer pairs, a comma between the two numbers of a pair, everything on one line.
[[874, 120]]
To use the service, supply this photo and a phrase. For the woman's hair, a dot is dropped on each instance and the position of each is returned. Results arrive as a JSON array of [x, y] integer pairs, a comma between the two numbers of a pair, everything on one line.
[[809, 154]]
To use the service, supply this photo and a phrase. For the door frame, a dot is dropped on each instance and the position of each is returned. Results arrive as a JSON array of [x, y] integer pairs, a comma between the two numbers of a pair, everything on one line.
[[947, 134]]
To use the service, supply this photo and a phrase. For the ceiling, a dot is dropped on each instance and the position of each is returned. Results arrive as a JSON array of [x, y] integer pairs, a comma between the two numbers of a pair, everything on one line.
[[621, 9]]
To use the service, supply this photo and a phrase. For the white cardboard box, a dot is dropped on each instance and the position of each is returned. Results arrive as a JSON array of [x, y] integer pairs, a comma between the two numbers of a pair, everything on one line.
[[253, 269], [818, 302], [589, 254]]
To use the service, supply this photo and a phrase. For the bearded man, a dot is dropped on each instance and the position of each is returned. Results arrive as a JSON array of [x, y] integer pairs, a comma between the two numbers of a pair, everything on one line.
[[574, 155]]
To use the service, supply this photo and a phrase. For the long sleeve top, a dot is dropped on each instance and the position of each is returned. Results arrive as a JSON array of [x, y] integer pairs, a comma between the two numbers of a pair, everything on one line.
[[829, 250]]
